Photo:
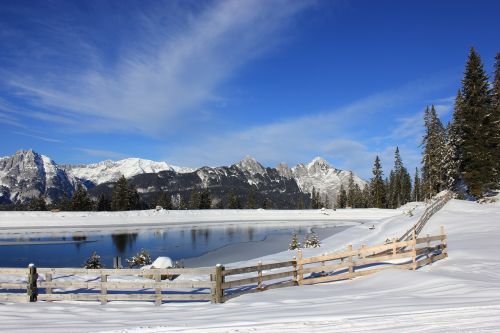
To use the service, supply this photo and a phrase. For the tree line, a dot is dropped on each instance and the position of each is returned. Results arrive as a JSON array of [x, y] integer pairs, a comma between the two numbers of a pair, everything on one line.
[[465, 155], [389, 192]]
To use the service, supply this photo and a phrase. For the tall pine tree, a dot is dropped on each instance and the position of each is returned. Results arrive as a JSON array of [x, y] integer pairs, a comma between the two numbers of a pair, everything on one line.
[[476, 126], [80, 200], [377, 188], [434, 145], [495, 105]]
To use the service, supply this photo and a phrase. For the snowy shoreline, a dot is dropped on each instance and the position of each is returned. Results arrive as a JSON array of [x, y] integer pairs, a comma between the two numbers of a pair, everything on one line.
[[22, 222]]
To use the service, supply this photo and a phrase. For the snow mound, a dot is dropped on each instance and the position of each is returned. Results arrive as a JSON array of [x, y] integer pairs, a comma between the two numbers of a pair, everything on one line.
[[162, 262]]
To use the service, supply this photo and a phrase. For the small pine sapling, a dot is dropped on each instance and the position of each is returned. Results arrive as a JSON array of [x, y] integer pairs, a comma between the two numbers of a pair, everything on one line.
[[311, 240], [94, 261], [140, 259], [295, 244]]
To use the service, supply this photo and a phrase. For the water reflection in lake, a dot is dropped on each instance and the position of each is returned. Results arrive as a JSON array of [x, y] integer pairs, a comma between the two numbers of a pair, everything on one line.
[[72, 250]]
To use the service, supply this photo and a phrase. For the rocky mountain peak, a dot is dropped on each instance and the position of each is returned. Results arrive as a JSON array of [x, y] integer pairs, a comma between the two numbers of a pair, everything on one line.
[[250, 165], [284, 170], [319, 163]]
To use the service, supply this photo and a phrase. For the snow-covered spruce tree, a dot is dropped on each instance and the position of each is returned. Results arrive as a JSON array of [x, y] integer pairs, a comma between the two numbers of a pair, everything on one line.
[[399, 183], [120, 198], [366, 197], [164, 201], [315, 199], [350, 191], [80, 201], [417, 187], [94, 261], [194, 199], [434, 145], [205, 199], [311, 240], [377, 187], [103, 203], [495, 104], [140, 259], [294, 244], [342, 198], [250, 200], [451, 159], [476, 125], [37, 204]]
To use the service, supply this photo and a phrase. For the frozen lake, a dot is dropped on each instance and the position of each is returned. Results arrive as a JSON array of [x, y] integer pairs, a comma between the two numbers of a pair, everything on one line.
[[197, 246]]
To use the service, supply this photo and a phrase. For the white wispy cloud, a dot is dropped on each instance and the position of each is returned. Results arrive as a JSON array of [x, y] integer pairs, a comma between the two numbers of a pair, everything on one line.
[[333, 134], [165, 80], [101, 153]]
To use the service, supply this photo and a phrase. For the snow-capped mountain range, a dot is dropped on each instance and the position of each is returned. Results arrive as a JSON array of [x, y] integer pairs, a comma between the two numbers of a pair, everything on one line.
[[110, 171], [28, 174]]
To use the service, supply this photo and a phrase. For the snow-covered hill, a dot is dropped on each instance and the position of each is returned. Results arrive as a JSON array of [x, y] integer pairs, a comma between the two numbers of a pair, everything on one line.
[[111, 171]]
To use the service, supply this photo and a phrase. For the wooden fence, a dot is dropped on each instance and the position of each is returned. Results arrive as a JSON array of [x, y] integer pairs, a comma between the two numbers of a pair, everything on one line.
[[113, 284], [435, 206], [218, 284], [343, 265]]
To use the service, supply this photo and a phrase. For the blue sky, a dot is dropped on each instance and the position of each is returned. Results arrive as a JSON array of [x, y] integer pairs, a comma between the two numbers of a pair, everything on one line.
[[200, 83]]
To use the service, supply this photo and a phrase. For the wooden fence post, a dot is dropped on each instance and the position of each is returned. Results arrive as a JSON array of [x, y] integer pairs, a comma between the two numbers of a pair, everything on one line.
[[48, 289], [394, 250], [32, 288], [351, 264], [300, 267], [259, 274], [158, 289], [414, 249], [361, 253], [443, 242], [104, 289], [219, 280], [295, 271]]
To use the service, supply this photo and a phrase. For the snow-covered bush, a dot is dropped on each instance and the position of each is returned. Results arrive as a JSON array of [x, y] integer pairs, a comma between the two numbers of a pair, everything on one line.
[[94, 261], [140, 259], [295, 244], [311, 240]]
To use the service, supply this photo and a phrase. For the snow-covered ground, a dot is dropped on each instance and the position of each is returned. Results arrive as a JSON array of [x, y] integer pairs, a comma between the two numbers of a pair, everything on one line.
[[20, 222], [460, 293]]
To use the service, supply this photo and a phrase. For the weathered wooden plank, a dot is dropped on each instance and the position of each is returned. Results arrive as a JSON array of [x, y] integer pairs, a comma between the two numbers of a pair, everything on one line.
[[371, 250], [430, 239], [158, 290], [124, 297], [266, 277], [14, 298], [325, 268], [328, 278], [104, 290], [256, 290], [219, 282], [250, 269], [377, 259], [12, 285], [13, 271], [127, 271], [430, 260], [126, 284], [69, 297]]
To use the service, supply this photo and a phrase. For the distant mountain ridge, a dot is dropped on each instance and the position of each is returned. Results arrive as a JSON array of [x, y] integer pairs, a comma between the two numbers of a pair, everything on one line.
[[28, 174]]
